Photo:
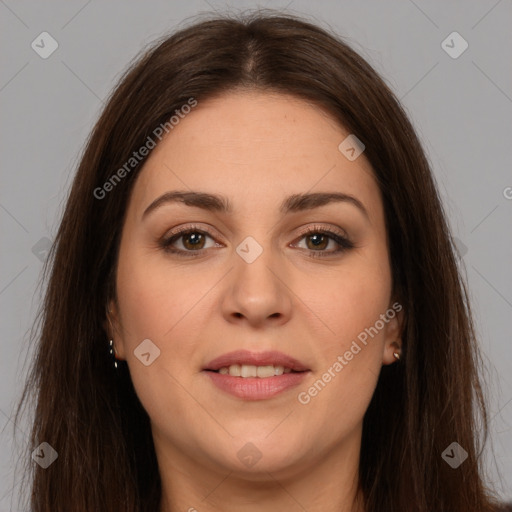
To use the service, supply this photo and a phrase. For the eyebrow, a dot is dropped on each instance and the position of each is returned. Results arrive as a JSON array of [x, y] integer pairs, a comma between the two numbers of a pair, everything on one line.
[[221, 204]]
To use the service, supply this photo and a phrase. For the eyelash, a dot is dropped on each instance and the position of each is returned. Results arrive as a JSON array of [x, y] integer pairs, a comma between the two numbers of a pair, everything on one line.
[[343, 242]]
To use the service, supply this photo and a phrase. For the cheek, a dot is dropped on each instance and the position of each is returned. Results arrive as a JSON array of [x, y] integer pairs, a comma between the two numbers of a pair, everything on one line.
[[155, 297], [349, 304], [347, 301], [159, 303]]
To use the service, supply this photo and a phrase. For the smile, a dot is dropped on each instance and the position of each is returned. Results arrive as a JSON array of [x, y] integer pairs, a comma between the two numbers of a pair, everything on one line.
[[249, 370]]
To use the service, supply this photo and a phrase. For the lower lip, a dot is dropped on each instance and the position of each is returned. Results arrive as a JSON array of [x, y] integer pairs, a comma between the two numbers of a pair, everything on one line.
[[255, 388]]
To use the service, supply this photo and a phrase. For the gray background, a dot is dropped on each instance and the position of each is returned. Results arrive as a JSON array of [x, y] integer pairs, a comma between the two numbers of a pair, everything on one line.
[[461, 108]]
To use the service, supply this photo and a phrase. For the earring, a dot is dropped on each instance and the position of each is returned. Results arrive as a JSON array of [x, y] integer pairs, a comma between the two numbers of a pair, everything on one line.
[[113, 353], [396, 353]]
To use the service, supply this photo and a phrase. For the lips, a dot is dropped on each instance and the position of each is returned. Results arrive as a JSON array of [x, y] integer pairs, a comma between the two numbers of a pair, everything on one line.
[[245, 357]]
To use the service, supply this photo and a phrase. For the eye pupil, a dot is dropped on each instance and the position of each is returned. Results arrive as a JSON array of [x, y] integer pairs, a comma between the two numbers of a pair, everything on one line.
[[317, 239], [193, 239]]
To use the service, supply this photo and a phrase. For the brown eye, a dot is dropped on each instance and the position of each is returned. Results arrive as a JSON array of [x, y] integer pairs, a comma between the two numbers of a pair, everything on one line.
[[318, 239], [192, 241]]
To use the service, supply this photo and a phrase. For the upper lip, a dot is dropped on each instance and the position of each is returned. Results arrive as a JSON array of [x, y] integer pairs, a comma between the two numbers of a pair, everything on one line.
[[245, 357]]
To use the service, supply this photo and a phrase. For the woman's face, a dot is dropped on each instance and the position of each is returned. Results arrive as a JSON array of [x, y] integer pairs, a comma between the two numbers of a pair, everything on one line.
[[250, 278]]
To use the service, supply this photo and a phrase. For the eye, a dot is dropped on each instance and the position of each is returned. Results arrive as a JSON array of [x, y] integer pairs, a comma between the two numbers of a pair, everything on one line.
[[193, 239], [318, 238]]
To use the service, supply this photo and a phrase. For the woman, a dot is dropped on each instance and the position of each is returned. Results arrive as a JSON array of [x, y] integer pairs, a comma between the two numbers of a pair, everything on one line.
[[255, 233]]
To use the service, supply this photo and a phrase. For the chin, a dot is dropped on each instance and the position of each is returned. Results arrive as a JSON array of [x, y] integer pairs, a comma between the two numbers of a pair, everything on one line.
[[271, 465]]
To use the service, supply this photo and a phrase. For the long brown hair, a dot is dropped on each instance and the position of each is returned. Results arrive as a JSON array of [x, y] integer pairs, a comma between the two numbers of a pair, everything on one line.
[[89, 413]]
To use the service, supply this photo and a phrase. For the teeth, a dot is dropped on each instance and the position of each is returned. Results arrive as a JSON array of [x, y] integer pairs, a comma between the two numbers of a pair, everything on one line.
[[247, 370], [265, 371]]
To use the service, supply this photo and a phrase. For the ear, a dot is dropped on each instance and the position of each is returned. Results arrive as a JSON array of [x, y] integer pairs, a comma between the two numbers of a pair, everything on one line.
[[394, 329], [112, 327]]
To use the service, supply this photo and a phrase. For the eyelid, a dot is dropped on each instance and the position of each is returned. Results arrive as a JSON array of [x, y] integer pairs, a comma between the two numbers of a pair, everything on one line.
[[317, 228], [309, 229]]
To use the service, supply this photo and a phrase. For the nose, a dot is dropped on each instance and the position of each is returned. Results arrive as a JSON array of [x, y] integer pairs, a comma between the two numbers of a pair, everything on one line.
[[258, 292]]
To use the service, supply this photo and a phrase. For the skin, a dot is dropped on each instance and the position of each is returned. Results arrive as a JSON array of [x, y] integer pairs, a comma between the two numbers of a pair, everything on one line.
[[255, 148]]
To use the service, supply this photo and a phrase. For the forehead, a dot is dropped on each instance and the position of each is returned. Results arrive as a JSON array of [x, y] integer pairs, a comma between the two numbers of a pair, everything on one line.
[[255, 148]]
